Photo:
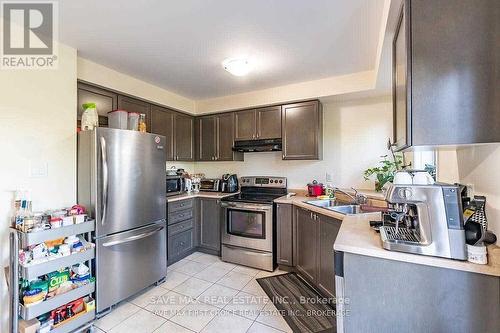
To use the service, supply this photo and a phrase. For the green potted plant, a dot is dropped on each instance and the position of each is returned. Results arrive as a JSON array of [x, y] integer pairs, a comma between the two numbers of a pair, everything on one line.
[[385, 171]]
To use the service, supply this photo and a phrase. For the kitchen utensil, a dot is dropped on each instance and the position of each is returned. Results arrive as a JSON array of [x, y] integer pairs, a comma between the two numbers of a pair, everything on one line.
[[473, 233], [315, 189], [489, 238]]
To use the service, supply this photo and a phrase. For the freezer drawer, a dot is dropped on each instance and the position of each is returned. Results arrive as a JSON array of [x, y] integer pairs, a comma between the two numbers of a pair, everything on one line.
[[128, 262]]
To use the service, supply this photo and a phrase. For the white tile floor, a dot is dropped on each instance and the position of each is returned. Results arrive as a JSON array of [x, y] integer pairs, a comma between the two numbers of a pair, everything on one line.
[[201, 294]]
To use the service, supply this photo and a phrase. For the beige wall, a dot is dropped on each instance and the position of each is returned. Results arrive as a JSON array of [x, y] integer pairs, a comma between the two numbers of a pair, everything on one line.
[[355, 136], [37, 127], [337, 85], [92, 72], [476, 166]]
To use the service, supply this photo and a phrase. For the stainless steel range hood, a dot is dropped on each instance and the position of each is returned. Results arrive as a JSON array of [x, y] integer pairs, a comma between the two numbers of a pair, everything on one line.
[[246, 146]]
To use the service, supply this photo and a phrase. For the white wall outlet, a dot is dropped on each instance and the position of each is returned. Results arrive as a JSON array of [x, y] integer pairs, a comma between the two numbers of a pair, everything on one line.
[[39, 169], [329, 177]]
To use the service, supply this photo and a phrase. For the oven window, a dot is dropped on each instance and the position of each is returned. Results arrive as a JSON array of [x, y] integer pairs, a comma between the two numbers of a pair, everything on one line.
[[245, 223]]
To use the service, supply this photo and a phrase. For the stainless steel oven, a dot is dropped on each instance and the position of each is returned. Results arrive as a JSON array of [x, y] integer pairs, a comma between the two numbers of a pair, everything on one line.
[[248, 225], [248, 222]]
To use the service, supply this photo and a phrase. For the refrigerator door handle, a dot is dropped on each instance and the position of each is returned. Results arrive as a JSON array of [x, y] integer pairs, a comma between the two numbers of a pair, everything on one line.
[[104, 180], [132, 238]]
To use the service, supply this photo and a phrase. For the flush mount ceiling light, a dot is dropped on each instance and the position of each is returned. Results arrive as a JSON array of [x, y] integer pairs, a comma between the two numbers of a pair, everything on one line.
[[236, 66]]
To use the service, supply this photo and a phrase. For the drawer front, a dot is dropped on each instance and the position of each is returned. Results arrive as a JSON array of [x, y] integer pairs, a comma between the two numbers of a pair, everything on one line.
[[180, 227], [180, 244], [180, 205], [180, 216]]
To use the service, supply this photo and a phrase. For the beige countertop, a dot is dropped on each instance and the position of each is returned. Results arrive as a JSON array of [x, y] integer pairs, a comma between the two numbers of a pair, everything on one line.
[[201, 194], [355, 236]]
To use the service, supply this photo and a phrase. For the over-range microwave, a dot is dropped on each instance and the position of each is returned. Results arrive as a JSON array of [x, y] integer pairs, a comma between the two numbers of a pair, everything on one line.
[[174, 185]]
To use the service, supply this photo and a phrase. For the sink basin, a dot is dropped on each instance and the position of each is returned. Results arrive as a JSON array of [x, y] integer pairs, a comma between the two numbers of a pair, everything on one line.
[[323, 203], [347, 209], [336, 206]]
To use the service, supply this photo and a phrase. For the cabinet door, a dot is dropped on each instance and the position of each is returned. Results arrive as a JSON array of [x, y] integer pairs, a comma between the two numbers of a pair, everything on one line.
[[306, 244], [328, 228], [104, 100], [269, 123], [207, 136], [225, 139], [284, 239], [245, 125], [208, 228], [183, 137], [162, 123], [401, 107], [130, 104], [302, 131]]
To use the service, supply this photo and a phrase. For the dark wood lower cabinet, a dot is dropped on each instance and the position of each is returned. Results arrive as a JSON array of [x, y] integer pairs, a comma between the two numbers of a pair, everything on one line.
[[307, 231], [328, 228], [314, 239], [208, 224], [284, 234]]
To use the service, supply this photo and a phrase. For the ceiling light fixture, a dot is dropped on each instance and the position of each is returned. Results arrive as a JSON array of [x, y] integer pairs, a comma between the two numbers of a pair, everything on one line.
[[236, 66]]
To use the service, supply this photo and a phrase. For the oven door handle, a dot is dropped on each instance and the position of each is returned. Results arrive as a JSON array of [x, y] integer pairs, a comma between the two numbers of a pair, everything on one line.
[[246, 207]]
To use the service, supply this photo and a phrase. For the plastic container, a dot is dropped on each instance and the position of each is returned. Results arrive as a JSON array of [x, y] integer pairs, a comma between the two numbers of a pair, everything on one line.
[[477, 254], [133, 121], [90, 118], [118, 119]]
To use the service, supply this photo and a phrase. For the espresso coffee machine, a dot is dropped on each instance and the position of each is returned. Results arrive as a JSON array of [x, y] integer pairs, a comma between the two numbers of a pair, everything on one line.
[[428, 221]]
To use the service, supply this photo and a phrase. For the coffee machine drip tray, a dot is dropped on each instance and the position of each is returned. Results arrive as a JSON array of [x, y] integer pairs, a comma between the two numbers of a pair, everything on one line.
[[393, 234]]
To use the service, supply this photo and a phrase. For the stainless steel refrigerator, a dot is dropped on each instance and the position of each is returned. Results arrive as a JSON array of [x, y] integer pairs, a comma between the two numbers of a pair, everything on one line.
[[121, 181]]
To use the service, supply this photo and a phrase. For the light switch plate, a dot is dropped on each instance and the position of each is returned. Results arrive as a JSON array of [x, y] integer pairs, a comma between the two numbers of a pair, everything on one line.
[[39, 169]]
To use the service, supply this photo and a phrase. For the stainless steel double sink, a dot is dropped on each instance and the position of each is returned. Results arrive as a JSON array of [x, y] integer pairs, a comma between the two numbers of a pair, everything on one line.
[[336, 206]]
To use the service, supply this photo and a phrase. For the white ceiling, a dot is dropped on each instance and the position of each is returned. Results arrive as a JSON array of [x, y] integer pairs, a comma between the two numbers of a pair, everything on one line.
[[179, 45]]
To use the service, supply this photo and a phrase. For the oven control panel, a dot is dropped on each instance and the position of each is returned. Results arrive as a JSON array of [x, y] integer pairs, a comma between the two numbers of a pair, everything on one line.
[[264, 181]]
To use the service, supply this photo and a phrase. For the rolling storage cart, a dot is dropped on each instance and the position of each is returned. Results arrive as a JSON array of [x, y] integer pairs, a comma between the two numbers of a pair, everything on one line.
[[18, 239]]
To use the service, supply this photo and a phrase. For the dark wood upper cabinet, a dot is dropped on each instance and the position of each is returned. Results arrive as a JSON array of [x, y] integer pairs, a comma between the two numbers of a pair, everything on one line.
[[130, 104], [302, 130], [105, 101], [183, 137], [207, 138], [269, 122], [162, 123], [215, 138], [446, 57], [225, 138], [256, 124], [245, 125], [401, 86]]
